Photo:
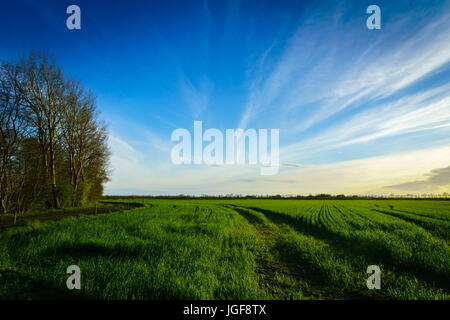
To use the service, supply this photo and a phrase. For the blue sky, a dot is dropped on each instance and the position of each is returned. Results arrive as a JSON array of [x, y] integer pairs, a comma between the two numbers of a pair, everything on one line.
[[359, 111]]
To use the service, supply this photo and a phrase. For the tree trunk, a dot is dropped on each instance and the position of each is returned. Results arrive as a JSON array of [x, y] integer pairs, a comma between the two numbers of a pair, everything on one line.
[[55, 199], [2, 195], [4, 186], [4, 208]]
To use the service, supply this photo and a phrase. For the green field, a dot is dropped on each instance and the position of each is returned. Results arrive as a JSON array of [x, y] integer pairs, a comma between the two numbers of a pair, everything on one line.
[[235, 249]]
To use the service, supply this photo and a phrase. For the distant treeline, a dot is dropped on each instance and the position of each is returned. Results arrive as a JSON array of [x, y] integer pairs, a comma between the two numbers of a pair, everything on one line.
[[443, 196], [53, 147]]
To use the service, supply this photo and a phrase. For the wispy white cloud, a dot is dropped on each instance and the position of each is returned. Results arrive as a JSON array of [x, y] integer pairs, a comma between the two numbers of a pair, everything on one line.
[[382, 76], [363, 176], [314, 81], [422, 111], [323, 79], [196, 97], [437, 178], [264, 89]]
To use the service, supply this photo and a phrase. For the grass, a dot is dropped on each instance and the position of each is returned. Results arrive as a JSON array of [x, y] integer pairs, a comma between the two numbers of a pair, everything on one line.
[[7, 220], [235, 249]]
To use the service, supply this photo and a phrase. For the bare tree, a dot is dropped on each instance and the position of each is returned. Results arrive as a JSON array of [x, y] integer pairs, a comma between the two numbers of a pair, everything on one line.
[[42, 89], [51, 139], [84, 139], [12, 128]]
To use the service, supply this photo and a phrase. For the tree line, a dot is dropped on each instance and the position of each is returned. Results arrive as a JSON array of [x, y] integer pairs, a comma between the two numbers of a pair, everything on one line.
[[323, 196], [53, 145]]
